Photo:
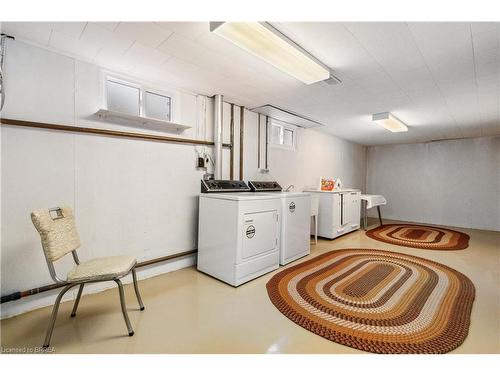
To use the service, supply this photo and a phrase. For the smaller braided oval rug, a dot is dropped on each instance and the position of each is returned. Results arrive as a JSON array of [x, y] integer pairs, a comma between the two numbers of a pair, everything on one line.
[[377, 301], [420, 236]]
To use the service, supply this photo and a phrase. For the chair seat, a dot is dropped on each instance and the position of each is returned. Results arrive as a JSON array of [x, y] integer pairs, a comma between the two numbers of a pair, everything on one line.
[[107, 268]]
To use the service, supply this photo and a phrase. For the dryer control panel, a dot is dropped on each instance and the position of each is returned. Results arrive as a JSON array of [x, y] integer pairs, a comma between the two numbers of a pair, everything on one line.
[[223, 186], [264, 186]]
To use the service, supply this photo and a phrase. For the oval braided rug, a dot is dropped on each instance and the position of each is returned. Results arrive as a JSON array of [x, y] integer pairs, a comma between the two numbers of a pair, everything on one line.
[[377, 301], [420, 236]]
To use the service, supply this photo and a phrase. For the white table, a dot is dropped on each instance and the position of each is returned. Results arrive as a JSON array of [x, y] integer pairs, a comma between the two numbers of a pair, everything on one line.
[[369, 201]]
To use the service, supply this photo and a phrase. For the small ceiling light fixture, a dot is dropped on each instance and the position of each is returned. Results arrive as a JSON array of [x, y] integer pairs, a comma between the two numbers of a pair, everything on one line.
[[266, 42], [390, 122]]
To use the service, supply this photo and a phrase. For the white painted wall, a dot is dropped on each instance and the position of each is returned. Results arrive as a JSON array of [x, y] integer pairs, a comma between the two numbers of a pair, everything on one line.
[[316, 155], [454, 183], [129, 196]]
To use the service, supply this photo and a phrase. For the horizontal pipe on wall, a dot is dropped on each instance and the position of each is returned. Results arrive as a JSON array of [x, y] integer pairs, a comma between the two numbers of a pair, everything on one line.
[[106, 132], [18, 295]]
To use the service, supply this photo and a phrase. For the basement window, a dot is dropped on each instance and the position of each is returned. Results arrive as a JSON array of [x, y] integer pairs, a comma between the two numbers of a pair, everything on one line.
[[157, 106], [282, 135], [123, 97], [137, 100]]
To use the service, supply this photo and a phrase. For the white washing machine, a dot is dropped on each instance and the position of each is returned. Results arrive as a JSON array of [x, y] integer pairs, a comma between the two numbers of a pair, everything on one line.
[[295, 219], [238, 233]]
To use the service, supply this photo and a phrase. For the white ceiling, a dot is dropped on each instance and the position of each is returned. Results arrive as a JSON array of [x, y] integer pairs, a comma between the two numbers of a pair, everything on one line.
[[441, 79]]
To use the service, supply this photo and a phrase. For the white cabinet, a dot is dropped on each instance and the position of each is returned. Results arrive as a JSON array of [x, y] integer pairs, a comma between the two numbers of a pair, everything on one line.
[[354, 208], [339, 212]]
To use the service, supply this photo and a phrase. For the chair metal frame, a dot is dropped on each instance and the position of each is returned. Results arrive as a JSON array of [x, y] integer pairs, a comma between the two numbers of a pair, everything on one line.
[[69, 284]]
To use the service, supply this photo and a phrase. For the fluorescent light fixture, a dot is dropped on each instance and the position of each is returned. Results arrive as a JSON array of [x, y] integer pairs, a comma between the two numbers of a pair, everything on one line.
[[390, 122], [267, 43]]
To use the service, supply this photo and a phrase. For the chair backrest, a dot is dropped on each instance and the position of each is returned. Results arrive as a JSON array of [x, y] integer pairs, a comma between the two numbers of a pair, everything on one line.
[[314, 206], [57, 230]]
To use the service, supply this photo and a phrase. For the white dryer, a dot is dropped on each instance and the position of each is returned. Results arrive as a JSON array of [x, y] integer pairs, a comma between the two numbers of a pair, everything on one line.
[[238, 233], [295, 209]]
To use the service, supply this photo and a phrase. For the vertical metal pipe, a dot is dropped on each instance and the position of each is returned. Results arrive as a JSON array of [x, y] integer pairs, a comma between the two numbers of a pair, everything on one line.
[[218, 103], [231, 151], [242, 138], [258, 144], [267, 132]]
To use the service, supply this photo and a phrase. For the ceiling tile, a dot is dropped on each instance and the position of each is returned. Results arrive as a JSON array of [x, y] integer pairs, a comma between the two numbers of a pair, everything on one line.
[[184, 48], [443, 42], [189, 29], [72, 29], [35, 32], [73, 45], [141, 55], [111, 26], [478, 27], [146, 33], [113, 59], [443, 79], [104, 38]]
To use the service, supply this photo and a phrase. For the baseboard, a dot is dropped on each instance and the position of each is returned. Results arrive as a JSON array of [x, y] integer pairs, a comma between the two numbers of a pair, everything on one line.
[[37, 301]]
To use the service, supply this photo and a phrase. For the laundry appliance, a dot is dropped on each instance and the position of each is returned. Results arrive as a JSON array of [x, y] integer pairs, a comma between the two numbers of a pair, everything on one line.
[[295, 210], [238, 233]]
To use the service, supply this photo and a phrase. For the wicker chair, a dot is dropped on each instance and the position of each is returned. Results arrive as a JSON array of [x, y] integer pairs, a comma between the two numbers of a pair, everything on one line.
[[59, 237]]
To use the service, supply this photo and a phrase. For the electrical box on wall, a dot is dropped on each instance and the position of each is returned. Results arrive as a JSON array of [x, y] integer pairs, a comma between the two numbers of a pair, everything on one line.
[[203, 159], [200, 162]]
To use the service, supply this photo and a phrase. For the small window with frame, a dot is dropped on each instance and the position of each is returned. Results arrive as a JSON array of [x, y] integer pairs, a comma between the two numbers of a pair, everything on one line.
[[157, 106], [282, 135], [123, 97], [135, 99]]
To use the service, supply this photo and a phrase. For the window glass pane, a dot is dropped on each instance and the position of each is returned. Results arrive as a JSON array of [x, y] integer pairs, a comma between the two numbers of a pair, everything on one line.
[[123, 98], [157, 106], [288, 137], [276, 134]]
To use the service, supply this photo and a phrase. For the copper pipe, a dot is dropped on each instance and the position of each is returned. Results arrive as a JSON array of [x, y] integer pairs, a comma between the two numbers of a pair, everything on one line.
[[242, 131], [45, 288], [112, 133], [165, 258]]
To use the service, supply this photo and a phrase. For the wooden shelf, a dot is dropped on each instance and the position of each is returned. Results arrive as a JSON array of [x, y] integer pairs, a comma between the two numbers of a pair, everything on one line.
[[144, 122]]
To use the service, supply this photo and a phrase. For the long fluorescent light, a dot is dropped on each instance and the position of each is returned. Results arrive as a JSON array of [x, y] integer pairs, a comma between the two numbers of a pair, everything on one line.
[[390, 122], [267, 43]]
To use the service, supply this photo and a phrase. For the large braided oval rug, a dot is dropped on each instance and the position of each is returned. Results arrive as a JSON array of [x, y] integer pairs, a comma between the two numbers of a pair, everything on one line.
[[420, 236], [377, 301]]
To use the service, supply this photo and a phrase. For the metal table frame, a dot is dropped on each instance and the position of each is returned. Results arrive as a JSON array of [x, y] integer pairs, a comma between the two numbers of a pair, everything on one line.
[[365, 214]]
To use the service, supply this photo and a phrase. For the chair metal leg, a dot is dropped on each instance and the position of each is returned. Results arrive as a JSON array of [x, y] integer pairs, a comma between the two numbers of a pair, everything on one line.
[[75, 306], [379, 215], [53, 317], [136, 287], [124, 307]]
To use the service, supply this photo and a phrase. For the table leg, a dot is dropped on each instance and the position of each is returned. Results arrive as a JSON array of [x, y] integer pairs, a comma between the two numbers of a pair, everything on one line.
[[365, 215], [379, 215]]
